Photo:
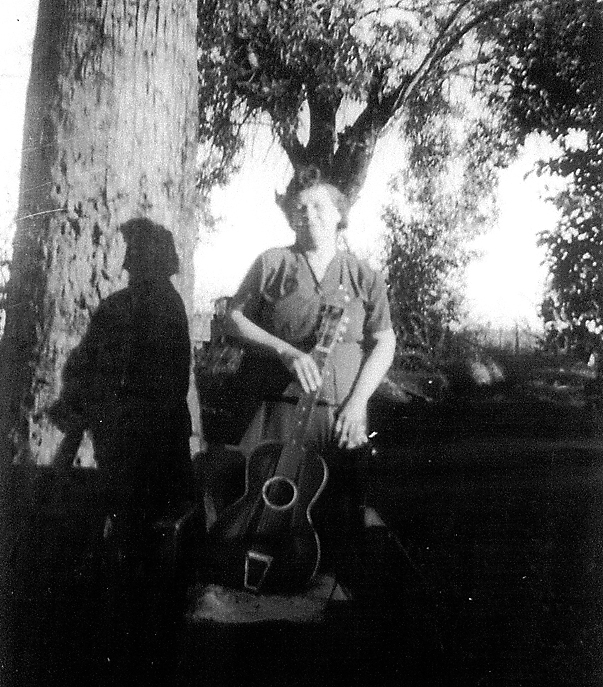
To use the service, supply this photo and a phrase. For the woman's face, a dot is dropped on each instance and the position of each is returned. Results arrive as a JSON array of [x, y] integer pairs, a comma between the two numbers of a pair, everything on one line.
[[316, 218]]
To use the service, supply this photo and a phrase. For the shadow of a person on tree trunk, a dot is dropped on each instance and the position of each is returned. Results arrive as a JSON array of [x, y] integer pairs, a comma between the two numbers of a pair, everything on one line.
[[125, 387], [127, 381]]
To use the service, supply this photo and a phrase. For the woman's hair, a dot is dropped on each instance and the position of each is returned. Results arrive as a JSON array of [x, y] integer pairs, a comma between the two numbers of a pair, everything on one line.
[[310, 177]]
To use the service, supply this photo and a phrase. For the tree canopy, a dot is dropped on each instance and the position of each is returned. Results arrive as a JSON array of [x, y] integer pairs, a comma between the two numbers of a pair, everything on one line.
[[331, 76]]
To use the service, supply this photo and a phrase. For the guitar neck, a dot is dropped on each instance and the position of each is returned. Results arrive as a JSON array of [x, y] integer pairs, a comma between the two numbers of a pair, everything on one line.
[[304, 411], [295, 447], [321, 355]]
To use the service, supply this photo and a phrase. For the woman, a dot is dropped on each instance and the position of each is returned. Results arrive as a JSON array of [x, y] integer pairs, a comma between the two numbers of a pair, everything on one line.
[[277, 311]]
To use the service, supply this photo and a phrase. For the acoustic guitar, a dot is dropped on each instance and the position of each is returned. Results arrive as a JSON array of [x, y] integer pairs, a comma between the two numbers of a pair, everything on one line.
[[265, 541]]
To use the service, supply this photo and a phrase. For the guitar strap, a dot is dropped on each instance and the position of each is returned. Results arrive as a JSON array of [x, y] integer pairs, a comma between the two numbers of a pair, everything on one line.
[[344, 276], [343, 273]]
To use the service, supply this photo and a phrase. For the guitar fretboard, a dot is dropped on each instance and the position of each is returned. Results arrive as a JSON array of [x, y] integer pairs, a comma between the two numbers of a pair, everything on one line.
[[331, 327]]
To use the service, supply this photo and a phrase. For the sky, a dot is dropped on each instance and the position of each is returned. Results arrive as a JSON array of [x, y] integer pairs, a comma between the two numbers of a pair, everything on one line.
[[504, 285], [17, 25]]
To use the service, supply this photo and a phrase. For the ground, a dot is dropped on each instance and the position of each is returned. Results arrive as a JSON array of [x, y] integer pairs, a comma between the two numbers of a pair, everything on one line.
[[490, 574]]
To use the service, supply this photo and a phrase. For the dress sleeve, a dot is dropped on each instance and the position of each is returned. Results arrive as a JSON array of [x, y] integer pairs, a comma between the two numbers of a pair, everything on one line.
[[378, 317], [248, 297]]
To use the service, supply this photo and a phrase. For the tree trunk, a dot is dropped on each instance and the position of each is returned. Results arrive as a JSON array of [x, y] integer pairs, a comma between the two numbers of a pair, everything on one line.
[[110, 134]]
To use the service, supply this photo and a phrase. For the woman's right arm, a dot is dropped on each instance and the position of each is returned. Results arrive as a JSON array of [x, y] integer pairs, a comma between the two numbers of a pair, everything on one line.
[[300, 364]]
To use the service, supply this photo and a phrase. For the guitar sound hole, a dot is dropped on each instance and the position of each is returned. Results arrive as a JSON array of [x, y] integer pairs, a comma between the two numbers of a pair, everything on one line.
[[279, 493]]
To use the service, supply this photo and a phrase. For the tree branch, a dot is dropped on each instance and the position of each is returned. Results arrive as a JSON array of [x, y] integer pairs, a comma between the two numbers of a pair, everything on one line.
[[401, 93], [354, 153], [323, 137], [294, 150], [357, 142], [436, 53], [478, 19], [405, 6]]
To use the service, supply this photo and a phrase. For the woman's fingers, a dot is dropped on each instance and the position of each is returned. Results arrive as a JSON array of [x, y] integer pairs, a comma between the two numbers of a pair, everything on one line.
[[307, 373], [353, 439], [304, 367], [351, 432], [350, 426]]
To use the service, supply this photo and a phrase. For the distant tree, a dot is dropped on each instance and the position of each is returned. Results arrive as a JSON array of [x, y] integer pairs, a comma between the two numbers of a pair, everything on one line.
[[445, 195], [441, 201], [110, 134], [574, 250], [551, 57], [422, 299]]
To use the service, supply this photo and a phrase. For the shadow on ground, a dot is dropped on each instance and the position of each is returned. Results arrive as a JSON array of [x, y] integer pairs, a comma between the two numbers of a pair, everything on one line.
[[490, 574]]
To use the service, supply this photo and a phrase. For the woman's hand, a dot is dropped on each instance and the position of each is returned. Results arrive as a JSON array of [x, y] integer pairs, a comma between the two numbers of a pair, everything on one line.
[[304, 367], [300, 364], [350, 427]]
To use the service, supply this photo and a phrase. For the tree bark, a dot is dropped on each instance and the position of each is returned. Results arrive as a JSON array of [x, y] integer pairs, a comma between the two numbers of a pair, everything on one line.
[[110, 134]]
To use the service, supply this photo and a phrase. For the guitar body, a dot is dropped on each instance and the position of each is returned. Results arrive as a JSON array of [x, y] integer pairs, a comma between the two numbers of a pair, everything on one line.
[[265, 541]]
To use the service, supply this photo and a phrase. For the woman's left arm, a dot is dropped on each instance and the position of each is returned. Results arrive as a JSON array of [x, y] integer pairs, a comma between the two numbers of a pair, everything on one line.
[[350, 427]]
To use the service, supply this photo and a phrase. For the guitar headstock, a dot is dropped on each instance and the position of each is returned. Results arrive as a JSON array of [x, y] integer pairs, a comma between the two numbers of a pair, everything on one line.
[[334, 320]]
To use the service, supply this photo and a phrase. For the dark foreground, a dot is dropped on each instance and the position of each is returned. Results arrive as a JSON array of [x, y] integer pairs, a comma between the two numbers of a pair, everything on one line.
[[491, 575]]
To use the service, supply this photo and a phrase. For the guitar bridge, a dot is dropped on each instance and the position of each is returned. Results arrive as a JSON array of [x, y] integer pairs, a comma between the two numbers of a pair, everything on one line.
[[256, 566]]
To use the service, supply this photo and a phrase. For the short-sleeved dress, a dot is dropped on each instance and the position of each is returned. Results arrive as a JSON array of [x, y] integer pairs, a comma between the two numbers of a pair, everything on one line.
[[282, 295]]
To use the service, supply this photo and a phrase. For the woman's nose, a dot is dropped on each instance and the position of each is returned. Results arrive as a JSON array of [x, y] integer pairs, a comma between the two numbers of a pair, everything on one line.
[[311, 215]]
